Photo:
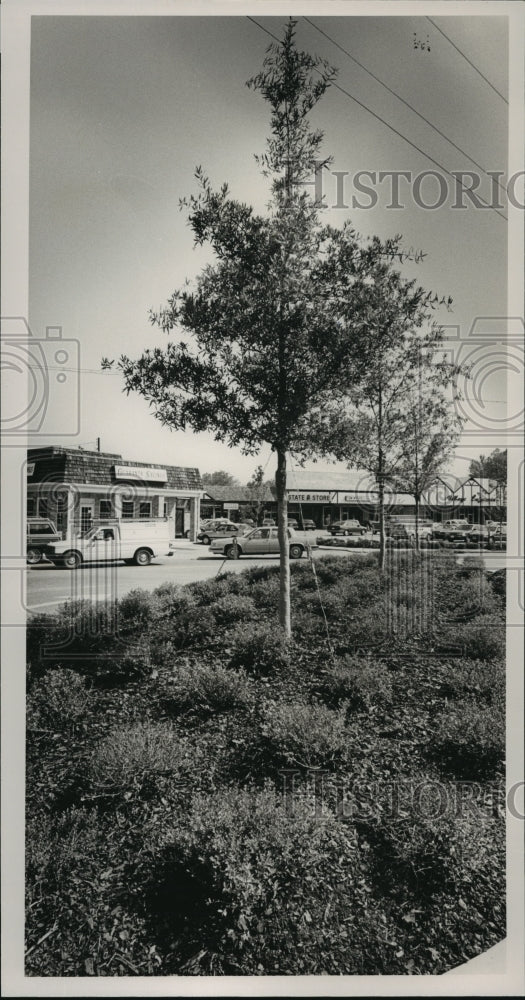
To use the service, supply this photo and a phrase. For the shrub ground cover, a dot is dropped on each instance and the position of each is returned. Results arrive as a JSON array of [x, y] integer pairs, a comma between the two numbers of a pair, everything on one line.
[[205, 798]]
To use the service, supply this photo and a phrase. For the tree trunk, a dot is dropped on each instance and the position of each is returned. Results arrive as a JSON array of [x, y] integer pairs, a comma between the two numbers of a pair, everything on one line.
[[284, 548], [418, 500], [381, 483], [382, 539]]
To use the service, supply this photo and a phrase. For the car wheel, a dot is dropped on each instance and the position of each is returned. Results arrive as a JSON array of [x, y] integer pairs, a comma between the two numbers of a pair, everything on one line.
[[232, 552], [33, 556], [296, 551], [142, 557], [71, 560], [206, 539]]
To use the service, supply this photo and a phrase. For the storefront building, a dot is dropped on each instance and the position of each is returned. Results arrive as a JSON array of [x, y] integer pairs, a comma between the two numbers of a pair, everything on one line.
[[327, 496], [76, 488]]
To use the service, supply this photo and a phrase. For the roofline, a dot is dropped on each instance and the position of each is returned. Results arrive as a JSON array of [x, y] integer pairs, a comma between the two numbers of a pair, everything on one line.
[[177, 491]]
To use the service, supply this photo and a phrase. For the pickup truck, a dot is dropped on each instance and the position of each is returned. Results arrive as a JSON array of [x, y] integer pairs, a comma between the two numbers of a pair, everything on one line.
[[135, 542]]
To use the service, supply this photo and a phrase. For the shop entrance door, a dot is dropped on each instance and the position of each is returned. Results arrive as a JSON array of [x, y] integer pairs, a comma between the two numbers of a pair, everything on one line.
[[86, 517], [329, 515]]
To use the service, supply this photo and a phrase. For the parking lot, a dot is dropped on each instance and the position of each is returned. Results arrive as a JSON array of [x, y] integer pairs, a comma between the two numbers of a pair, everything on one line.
[[47, 587]]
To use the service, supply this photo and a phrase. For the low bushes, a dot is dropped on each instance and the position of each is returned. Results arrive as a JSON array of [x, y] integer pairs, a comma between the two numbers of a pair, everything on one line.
[[468, 740], [301, 735], [206, 687], [57, 701], [185, 858], [359, 681], [132, 760], [261, 650], [79, 635], [481, 639], [481, 679], [233, 608], [255, 880], [415, 857]]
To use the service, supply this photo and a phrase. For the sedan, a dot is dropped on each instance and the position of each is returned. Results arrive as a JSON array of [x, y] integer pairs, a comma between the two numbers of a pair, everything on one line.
[[308, 524], [260, 541], [219, 529], [348, 527], [479, 533], [452, 531]]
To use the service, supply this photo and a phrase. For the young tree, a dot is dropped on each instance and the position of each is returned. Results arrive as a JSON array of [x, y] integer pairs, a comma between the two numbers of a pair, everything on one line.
[[401, 343], [428, 432], [257, 490], [270, 337]]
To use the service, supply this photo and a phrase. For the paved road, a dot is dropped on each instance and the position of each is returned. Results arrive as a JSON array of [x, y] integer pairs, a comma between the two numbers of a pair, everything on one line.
[[47, 586]]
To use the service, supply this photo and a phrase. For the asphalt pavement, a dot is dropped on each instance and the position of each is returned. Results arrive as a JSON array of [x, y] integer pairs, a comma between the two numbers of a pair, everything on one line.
[[47, 586]]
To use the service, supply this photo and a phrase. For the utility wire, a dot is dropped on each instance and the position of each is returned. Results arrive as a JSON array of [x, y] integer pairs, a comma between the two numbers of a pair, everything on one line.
[[456, 47], [402, 99], [391, 127]]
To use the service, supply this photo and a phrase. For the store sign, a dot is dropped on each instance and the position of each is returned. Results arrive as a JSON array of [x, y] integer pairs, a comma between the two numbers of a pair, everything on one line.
[[231, 506], [312, 497], [365, 496], [140, 472], [30, 468]]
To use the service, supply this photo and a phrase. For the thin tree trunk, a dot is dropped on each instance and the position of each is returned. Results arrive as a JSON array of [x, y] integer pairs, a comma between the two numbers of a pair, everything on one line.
[[284, 548], [382, 540], [417, 499], [381, 484]]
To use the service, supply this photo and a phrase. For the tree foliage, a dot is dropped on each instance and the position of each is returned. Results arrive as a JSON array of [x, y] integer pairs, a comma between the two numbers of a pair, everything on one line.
[[493, 467], [397, 422], [291, 315], [220, 478]]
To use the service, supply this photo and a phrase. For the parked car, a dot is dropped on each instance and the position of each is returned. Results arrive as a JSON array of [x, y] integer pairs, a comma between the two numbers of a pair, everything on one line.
[[308, 524], [479, 533], [452, 530], [133, 541], [40, 532], [220, 528], [268, 522], [347, 527], [407, 529], [259, 541]]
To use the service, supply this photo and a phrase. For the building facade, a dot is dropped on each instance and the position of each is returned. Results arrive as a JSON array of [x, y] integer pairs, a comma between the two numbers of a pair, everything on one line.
[[327, 496], [76, 488]]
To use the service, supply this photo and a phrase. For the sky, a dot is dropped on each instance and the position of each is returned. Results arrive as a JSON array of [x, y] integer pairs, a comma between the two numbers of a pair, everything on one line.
[[124, 108]]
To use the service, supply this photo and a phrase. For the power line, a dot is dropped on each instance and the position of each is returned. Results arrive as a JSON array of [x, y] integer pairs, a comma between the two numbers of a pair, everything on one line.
[[427, 156], [402, 99], [456, 47]]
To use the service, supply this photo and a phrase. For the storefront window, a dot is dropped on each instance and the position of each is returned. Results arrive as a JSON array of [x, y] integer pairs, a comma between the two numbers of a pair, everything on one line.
[[86, 517], [145, 509], [128, 509], [105, 509]]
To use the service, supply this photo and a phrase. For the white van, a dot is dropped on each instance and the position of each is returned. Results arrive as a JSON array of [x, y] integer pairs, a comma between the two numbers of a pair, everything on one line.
[[133, 541]]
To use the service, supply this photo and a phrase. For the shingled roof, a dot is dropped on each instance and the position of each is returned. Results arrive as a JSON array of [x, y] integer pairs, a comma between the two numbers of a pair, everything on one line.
[[73, 465]]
